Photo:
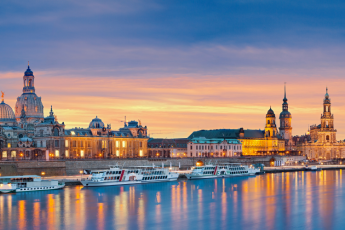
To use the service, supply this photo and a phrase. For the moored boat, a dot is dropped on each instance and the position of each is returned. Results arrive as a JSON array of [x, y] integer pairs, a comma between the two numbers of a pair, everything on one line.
[[27, 183], [129, 175], [221, 170]]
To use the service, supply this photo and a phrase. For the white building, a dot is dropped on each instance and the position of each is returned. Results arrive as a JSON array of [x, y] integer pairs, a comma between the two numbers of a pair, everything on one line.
[[215, 147]]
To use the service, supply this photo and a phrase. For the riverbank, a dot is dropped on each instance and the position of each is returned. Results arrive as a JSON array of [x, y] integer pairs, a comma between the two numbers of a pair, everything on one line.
[[281, 169], [76, 179]]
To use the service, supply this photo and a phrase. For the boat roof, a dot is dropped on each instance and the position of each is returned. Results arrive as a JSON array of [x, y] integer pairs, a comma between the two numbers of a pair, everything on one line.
[[25, 176], [230, 164]]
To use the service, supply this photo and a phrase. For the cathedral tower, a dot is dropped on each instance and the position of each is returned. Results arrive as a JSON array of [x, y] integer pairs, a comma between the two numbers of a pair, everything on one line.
[[285, 119], [270, 128], [28, 101], [327, 133]]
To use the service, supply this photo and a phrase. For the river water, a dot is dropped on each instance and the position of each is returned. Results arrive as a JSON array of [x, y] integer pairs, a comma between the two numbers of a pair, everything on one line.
[[297, 200]]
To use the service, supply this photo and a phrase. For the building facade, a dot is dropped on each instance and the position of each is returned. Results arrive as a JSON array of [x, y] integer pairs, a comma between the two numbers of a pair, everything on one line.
[[214, 147], [321, 142], [167, 148], [27, 134], [254, 142]]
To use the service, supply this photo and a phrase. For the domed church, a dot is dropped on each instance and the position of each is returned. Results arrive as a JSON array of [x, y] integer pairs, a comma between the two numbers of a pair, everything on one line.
[[29, 101], [7, 117]]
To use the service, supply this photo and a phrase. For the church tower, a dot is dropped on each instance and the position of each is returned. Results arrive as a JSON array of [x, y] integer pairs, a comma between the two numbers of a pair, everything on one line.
[[327, 133], [285, 119], [29, 101], [270, 128]]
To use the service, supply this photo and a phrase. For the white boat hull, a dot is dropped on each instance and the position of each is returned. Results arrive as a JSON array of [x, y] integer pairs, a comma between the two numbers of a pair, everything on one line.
[[36, 189], [107, 183]]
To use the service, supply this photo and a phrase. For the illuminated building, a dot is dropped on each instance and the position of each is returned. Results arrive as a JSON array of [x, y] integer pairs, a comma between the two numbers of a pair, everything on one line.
[[29, 101], [214, 147], [99, 141], [26, 134], [321, 143], [165, 148], [254, 142]]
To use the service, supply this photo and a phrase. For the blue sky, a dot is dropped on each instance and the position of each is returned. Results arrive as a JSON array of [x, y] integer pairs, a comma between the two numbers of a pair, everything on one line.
[[241, 43]]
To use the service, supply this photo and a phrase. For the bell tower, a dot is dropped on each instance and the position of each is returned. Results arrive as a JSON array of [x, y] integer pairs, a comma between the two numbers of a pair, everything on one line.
[[271, 127], [327, 133], [285, 119]]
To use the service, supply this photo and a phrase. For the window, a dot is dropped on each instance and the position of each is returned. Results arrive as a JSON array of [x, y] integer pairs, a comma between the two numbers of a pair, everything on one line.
[[41, 132], [74, 144], [141, 152], [268, 121], [327, 137], [81, 153], [89, 144], [191, 147], [104, 144], [13, 154], [66, 143], [81, 143], [4, 154], [66, 153], [56, 132], [117, 153], [117, 144], [57, 144], [38, 144], [123, 144], [57, 153], [141, 144], [8, 145]]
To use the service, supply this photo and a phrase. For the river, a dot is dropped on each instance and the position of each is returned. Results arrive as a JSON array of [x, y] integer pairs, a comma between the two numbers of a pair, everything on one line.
[[294, 200]]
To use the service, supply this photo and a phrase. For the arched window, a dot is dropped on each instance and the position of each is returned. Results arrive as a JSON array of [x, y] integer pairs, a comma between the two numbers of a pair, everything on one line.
[[56, 132], [328, 108], [30, 83], [327, 138], [268, 121]]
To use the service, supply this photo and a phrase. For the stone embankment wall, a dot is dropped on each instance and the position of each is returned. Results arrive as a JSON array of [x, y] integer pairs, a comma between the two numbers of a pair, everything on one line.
[[68, 167]]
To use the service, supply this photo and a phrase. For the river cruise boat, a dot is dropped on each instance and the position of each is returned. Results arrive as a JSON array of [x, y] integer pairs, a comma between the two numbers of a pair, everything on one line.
[[222, 170], [27, 183], [129, 175]]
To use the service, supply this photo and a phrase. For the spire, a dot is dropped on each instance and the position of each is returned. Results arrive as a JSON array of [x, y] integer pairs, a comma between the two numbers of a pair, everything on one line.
[[326, 95], [284, 90], [2, 97], [51, 114]]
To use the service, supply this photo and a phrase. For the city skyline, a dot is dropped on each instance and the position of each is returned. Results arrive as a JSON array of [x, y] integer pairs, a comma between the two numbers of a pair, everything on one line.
[[178, 67], [248, 115]]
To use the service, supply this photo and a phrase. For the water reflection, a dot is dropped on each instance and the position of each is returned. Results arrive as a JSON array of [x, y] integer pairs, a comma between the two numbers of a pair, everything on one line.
[[298, 200]]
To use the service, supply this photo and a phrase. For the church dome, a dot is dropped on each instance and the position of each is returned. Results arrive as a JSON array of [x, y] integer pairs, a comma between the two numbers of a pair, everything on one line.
[[6, 113], [270, 113], [96, 123], [29, 72]]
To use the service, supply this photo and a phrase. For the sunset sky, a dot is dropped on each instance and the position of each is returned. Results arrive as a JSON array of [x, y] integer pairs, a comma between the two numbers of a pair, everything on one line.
[[178, 66]]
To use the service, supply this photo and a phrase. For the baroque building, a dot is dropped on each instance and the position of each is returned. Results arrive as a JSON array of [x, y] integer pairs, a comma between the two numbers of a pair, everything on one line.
[[27, 134], [253, 142], [321, 143], [285, 123]]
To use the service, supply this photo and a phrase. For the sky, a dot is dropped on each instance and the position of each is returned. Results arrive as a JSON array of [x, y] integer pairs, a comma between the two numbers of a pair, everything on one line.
[[177, 66]]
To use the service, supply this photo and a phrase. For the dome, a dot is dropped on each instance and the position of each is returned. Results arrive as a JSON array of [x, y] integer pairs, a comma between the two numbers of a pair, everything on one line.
[[6, 113], [28, 72], [270, 113], [96, 123]]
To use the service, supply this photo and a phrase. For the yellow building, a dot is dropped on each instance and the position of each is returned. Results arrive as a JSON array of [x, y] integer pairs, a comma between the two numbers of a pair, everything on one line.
[[254, 142]]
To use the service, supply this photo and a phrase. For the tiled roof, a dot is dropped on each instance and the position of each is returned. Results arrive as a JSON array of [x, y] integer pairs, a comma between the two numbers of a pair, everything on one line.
[[228, 133]]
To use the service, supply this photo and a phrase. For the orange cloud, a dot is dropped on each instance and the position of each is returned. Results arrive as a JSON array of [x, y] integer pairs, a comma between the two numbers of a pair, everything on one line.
[[176, 105]]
